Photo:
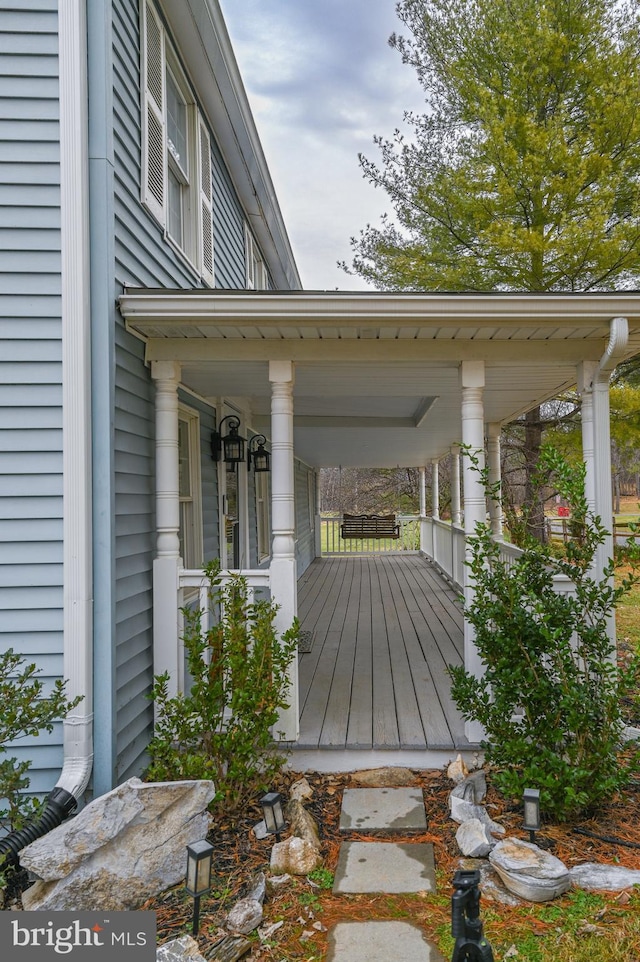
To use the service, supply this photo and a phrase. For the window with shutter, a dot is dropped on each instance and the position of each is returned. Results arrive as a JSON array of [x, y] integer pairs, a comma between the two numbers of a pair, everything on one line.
[[176, 150]]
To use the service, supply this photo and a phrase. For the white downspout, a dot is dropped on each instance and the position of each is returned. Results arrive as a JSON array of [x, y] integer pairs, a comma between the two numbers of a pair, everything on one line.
[[76, 396]]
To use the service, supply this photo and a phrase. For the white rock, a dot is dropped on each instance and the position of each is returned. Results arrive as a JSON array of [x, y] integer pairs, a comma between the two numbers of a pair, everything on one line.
[[301, 790], [121, 849], [473, 788], [474, 839], [595, 876], [457, 770], [297, 856], [463, 811], [244, 917], [179, 950], [528, 871]]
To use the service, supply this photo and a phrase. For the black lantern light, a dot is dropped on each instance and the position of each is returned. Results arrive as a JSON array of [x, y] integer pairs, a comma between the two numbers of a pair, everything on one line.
[[273, 815], [261, 458], [531, 821], [231, 445], [198, 881]]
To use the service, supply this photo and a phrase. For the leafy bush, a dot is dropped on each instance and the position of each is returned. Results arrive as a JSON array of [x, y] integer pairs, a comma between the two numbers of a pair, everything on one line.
[[550, 697], [222, 728], [25, 711]]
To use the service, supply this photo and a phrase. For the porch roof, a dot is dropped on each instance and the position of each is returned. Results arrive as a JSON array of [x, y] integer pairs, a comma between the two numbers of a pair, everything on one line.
[[377, 374]]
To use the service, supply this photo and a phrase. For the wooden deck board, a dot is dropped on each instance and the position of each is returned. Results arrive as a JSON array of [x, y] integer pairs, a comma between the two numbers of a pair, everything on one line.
[[385, 630]]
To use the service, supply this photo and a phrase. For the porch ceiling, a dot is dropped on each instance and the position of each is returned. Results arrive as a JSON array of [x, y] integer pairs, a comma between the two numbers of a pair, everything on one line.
[[377, 376]]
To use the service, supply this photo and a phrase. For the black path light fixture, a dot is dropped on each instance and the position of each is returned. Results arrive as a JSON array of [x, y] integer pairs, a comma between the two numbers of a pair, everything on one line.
[[231, 445], [531, 822], [273, 814], [198, 881], [466, 927], [258, 455]]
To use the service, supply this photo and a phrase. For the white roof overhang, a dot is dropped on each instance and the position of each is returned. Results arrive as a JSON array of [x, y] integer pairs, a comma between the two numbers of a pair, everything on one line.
[[377, 380]]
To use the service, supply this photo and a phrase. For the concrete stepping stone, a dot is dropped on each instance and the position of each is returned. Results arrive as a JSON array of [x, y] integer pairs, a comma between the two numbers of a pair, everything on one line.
[[390, 867], [379, 942], [399, 810]]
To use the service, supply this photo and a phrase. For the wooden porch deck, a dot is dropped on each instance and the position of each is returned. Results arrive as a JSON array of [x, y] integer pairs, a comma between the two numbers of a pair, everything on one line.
[[384, 630]]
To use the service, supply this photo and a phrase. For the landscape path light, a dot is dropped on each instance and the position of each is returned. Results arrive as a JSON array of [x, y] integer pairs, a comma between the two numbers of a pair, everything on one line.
[[198, 882], [531, 812], [273, 815]]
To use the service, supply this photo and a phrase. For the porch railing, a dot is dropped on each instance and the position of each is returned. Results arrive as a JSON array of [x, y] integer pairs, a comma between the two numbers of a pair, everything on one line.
[[332, 543], [444, 543], [193, 588]]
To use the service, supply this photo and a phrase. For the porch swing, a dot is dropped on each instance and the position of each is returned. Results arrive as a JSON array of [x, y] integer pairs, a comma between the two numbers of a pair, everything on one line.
[[363, 526]]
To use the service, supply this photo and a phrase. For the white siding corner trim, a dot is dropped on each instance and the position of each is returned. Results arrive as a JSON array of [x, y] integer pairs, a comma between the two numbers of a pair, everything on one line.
[[76, 396]]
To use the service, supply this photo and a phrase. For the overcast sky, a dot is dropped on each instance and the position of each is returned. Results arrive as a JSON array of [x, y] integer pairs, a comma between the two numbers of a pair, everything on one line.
[[322, 81]]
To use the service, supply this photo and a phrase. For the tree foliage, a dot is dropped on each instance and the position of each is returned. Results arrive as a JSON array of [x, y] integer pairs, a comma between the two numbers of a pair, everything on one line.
[[522, 174]]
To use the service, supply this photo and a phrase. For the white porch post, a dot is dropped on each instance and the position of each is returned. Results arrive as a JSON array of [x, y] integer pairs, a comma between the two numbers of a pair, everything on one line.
[[472, 379], [318, 516], [283, 570], [586, 371], [495, 476], [456, 509], [435, 490], [167, 650], [426, 528]]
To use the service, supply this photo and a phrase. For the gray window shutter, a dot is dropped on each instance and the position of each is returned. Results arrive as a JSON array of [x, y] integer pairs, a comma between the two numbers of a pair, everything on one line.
[[154, 152], [206, 203]]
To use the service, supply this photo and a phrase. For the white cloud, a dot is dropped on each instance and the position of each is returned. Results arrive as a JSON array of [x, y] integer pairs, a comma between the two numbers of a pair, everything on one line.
[[322, 80]]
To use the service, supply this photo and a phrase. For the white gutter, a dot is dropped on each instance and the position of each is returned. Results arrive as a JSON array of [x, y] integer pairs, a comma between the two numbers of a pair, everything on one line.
[[76, 396], [615, 349]]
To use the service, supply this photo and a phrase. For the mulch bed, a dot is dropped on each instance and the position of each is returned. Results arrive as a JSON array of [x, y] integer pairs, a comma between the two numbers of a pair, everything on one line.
[[238, 856]]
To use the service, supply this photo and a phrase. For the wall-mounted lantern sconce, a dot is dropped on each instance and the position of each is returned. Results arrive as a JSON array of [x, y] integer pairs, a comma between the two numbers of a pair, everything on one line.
[[230, 445], [273, 815], [198, 881], [256, 453], [531, 822]]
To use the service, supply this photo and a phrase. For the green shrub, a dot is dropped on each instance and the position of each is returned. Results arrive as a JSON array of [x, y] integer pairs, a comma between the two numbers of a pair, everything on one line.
[[222, 728], [550, 696]]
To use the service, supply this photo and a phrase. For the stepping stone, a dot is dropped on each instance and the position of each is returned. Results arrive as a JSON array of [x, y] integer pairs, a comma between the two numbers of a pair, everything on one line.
[[379, 942], [391, 867], [398, 810]]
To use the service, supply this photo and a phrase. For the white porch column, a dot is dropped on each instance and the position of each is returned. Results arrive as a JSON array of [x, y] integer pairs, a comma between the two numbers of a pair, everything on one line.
[[585, 374], [456, 510], [495, 476], [426, 530], [472, 379], [283, 570], [318, 516], [167, 648], [435, 490]]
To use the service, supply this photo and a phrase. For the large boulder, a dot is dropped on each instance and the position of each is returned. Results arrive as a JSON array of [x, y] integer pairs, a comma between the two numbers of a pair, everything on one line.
[[294, 856], [528, 871], [123, 848]]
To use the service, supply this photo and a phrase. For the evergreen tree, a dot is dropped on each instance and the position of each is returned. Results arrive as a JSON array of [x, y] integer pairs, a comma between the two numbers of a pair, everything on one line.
[[523, 173]]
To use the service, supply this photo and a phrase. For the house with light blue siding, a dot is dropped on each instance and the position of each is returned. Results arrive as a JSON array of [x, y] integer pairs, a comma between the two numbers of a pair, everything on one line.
[[150, 308], [128, 159]]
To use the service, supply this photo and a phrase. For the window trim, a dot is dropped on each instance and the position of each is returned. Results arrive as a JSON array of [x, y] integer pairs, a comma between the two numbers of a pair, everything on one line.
[[191, 418]]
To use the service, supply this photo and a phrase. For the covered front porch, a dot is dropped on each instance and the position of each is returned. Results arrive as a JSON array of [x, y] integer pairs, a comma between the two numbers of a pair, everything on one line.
[[373, 380], [381, 631]]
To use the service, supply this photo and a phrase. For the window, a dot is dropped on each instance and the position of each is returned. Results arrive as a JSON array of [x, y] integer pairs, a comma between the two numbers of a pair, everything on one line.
[[256, 271], [176, 150], [189, 488], [262, 515]]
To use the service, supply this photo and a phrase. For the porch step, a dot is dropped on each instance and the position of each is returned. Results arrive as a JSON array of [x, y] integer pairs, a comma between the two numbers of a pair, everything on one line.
[[382, 867]]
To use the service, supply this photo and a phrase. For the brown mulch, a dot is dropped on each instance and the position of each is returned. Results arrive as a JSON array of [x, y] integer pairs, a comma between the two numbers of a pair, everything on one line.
[[238, 856]]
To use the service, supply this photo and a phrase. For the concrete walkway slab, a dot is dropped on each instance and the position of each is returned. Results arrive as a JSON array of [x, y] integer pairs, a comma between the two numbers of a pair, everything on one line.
[[380, 942], [391, 867], [398, 810]]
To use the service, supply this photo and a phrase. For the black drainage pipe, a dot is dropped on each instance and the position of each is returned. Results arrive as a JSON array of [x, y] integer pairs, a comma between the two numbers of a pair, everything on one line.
[[59, 805]]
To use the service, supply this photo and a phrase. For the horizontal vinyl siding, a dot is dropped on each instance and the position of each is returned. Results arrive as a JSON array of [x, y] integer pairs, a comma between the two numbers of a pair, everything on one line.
[[144, 258], [31, 550]]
